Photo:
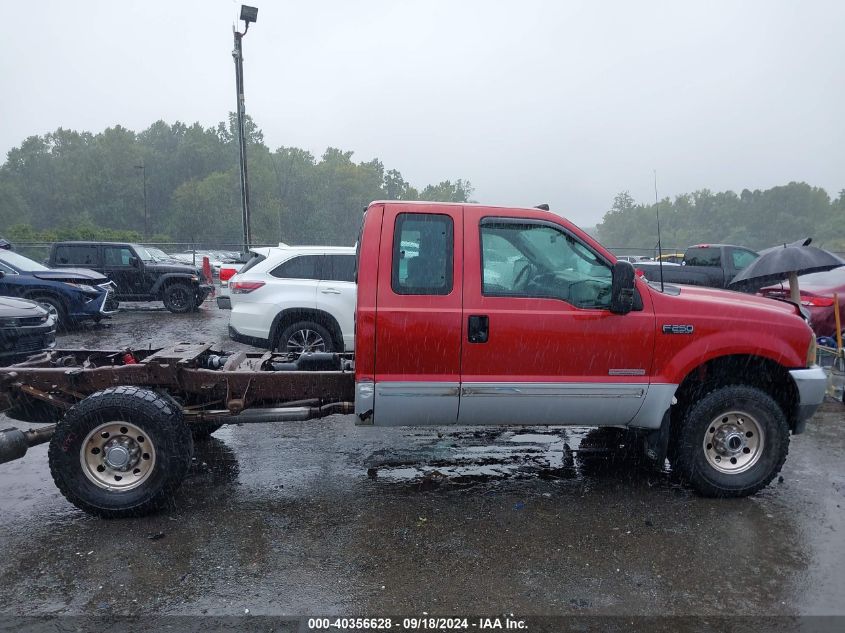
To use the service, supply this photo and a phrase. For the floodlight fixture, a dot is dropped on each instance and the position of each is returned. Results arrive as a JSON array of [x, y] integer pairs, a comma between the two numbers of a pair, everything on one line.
[[249, 14]]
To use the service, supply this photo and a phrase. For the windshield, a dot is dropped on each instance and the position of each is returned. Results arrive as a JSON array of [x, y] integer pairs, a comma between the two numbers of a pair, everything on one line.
[[157, 254], [19, 262], [143, 253]]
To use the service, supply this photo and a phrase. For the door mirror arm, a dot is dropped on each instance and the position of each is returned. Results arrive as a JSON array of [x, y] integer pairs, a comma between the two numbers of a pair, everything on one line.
[[622, 288]]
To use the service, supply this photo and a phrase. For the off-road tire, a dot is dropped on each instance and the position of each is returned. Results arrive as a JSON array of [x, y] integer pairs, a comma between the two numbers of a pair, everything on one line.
[[62, 320], [281, 344], [163, 428], [689, 457], [179, 298]]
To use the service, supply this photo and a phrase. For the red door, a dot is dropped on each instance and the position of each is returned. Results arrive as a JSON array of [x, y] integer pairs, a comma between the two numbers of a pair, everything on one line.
[[418, 315], [539, 342]]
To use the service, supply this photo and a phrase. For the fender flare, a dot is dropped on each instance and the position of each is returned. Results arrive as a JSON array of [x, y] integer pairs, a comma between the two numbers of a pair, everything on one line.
[[320, 316], [40, 292], [168, 277]]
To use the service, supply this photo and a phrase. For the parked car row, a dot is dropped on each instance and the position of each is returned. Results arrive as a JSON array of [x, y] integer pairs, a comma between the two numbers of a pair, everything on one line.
[[217, 259], [73, 295], [301, 298], [136, 273]]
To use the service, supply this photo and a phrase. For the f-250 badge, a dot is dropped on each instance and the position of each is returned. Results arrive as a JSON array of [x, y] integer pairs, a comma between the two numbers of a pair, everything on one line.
[[678, 329]]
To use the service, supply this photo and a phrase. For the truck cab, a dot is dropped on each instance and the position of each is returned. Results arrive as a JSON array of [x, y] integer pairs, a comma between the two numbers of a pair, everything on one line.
[[712, 265], [470, 314]]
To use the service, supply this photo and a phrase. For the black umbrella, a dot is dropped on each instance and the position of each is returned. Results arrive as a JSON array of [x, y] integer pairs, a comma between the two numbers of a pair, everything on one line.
[[786, 262]]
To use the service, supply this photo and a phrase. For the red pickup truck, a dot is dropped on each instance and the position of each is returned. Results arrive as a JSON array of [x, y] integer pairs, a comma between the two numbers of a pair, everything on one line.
[[466, 314], [488, 315]]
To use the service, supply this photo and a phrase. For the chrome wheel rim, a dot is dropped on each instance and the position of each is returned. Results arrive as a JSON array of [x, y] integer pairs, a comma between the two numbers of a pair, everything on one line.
[[305, 340], [733, 442], [51, 310], [117, 456]]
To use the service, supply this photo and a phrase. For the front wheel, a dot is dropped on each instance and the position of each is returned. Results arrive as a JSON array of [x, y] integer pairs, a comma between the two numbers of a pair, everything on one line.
[[56, 307], [732, 442], [121, 452], [179, 298]]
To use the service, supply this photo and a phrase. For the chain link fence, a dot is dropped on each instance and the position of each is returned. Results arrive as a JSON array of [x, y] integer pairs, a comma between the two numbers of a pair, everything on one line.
[[189, 252]]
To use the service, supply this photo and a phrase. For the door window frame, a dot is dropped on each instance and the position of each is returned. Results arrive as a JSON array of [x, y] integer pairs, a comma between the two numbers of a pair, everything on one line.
[[488, 220], [448, 265], [120, 266]]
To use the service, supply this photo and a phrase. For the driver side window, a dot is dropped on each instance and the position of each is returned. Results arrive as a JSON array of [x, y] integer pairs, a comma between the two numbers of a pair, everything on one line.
[[538, 260]]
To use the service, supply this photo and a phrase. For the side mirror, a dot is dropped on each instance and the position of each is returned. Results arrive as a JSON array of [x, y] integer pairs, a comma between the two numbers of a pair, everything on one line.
[[134, 262], [622, 288]]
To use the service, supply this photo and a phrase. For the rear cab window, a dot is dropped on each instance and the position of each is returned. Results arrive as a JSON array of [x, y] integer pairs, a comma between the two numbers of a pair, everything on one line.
[[423, 252], [704, 256]]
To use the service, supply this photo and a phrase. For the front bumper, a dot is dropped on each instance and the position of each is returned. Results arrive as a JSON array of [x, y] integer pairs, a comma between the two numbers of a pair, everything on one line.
[[19, 343], [811, 384], [108, 304], [204, 291], [84, 306]]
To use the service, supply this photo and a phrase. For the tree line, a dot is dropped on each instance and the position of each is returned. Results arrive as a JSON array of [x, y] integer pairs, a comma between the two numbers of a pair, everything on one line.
[[80, 185], [757, 219]]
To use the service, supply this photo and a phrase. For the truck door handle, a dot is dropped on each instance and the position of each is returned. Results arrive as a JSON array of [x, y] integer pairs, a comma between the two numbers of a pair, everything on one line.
[[330, 291], [478, 328]]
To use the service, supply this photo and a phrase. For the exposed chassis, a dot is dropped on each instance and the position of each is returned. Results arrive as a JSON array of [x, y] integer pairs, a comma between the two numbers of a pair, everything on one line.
[[208, 386]]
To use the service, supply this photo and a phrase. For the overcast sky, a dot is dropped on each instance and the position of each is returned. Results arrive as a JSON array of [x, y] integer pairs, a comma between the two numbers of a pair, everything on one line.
[[560, 102]]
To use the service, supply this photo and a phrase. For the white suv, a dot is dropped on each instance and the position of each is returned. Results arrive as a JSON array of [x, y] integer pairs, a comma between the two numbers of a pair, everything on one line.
[[296, 298]]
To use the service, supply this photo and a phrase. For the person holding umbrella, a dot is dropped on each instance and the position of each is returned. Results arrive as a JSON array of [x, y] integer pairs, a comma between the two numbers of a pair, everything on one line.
[[785, 262]]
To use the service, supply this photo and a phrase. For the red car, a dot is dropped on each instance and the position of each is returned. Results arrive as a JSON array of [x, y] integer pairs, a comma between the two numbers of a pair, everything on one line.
[[816, 296]]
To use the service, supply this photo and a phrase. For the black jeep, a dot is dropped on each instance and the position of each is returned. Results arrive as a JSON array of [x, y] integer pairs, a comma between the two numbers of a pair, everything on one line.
[[138, 276]]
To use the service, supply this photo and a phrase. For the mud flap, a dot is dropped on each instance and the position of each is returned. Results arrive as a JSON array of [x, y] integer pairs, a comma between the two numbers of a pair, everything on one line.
[[656, 443]]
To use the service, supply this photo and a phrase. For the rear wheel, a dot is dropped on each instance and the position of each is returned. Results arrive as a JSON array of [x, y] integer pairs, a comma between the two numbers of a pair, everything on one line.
[[179, 298], [303, 337], [731, 443], [121, 452]]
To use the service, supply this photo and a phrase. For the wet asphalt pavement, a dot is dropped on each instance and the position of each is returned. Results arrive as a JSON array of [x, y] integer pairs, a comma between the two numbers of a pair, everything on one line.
[[326, 517]]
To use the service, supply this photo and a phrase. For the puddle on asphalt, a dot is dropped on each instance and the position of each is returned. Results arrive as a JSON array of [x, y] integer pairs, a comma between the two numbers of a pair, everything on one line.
[[465, 458]]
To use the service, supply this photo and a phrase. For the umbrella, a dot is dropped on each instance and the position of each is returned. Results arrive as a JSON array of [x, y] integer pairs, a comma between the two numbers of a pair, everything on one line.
[[785, 262], [803, 242]]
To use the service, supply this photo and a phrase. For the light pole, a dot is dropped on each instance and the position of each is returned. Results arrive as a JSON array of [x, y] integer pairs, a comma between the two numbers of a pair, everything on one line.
[[143, 169], [248, 15]]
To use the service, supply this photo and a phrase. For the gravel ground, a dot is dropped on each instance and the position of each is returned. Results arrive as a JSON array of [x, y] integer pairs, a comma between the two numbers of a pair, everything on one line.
[[327, 517]]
